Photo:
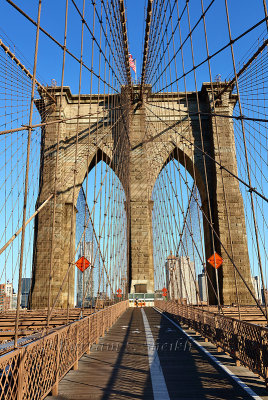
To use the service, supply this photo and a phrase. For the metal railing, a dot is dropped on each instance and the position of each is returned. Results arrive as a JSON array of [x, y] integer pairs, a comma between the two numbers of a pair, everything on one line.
[[34, 370], [245, 342]]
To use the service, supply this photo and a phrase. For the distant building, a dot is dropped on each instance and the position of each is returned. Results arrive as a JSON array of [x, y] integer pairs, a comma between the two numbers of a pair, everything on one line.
[[103, 296], [264, 293], [14, 301], [202, 285], [180, 279], [2, 297], [9, 289], [88, 278], [6, 291], [25, 290], [256, 282], [158, 294]]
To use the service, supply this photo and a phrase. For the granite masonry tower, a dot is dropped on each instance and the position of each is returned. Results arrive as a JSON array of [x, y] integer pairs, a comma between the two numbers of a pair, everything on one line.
[[160, 125]]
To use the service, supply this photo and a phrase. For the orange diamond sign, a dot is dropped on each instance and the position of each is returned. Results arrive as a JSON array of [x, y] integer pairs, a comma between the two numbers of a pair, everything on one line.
[[82, 264], [215, 260], [164, 291]]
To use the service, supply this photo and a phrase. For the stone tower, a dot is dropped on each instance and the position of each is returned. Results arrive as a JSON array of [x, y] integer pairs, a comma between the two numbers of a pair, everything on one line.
[[160, 126]]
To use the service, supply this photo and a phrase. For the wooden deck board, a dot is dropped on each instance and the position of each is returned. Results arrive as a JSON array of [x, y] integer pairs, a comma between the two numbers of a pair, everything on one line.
[[117, 368]]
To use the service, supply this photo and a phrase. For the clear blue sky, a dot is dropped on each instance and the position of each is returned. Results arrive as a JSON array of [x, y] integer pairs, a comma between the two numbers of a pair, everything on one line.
[[243, 15]]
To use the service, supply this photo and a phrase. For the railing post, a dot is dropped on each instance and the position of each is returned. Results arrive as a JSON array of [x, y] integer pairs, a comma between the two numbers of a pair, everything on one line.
[[75, 366], [264, 339], [55, 387], [89, 337], [97, 327], [219, 349], [21, 375], [103, 322], [204, 329], [262, 360], [236, 350], [202, 323]]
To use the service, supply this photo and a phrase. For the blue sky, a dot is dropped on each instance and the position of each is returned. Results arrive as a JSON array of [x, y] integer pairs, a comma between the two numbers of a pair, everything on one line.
[[243, 14], [21, 38]]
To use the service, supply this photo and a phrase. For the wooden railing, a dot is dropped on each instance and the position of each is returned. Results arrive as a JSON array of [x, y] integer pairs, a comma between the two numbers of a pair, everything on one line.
[[34, 370], [247, 343]]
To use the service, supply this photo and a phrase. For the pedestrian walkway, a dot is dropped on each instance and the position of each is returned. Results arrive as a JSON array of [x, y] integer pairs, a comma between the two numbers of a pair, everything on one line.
[[144, 356]]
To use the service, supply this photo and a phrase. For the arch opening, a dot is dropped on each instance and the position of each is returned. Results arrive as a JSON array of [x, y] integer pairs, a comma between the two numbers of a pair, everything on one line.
[[178, 233], [101, 236]]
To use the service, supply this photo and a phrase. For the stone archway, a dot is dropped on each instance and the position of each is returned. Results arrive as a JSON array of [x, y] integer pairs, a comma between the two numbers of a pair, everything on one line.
[[92, 148], [154, 133], [172, 132]]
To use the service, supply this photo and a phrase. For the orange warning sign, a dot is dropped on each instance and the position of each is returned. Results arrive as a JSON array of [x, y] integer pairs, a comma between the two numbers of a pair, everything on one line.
[[82, 264], [164, 291], [215, 260]]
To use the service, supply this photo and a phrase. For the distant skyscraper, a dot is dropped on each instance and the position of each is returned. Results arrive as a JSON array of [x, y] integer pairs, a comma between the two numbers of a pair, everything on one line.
[[264, 293], [257, 287], [180, 278], [6, 296], [9, 289], [202, 285], [88, 283], [14, 301], [4, 299], [25, 290]]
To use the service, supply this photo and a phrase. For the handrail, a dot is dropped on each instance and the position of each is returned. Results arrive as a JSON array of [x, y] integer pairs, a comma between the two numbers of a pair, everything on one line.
[[35, 369], [247, 343]]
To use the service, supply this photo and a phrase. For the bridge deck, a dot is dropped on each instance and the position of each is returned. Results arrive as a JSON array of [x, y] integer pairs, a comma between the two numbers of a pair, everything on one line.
[[33, 322], [118, 367], [250, 314]]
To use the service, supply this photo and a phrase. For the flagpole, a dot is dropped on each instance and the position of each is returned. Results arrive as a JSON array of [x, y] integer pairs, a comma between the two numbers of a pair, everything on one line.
[[135, 71]]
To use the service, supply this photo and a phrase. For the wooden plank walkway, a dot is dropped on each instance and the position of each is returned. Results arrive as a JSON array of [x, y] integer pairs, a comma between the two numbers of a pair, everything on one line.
[[118, 367], [250, 314], [34, 322]]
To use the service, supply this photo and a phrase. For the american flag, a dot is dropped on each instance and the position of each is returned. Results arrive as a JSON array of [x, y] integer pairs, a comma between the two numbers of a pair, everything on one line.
[[131, 63]]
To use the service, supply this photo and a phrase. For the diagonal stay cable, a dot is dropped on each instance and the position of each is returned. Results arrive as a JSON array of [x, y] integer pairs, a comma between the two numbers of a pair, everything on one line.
[[251, 189]]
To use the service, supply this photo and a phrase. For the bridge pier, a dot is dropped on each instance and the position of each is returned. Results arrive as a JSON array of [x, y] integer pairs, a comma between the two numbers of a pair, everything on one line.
[[61, 239], [158, 129], [141, 205], [226, 202]]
